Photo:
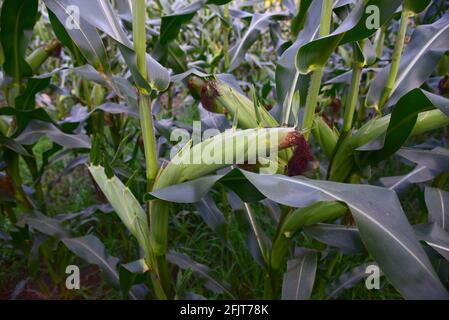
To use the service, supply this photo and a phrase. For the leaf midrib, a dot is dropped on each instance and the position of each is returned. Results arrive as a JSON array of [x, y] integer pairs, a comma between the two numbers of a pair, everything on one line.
[[79, 29], [421, 52]]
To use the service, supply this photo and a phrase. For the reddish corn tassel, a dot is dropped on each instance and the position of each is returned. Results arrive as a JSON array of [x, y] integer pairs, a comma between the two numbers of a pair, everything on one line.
[[299, 162]]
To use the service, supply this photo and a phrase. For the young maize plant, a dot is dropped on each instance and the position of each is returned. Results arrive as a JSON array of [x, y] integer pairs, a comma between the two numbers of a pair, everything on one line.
[[192, 162], [291, 201]]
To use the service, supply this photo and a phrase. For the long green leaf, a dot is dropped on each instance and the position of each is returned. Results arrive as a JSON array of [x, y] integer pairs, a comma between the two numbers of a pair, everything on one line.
[[258, 23], [288, 79], [184, 262], [437, 202], [354, 28], [435, 237], [346, 281], [37, 129], [420, 58], [299, 277], [16, 24], [171, 23], [344, 238], [403, 119], [125, 205], [91, 249], [82, 33], [436, 159]]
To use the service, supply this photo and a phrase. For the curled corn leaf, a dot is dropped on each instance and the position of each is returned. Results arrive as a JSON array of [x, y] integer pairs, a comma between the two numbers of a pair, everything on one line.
[[124, 203]]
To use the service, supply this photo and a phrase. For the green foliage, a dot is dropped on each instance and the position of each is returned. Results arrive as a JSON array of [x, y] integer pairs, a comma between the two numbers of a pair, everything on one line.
[[90, 174]]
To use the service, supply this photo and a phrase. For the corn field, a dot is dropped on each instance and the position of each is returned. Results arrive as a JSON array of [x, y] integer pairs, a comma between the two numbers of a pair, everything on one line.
[[224, 150]]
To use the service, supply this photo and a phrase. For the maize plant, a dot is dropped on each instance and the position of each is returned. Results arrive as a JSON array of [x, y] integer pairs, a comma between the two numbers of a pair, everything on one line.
[[224, 149]]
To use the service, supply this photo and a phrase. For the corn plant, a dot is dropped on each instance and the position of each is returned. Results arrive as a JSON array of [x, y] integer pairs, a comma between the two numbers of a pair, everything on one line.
[[339, 93]]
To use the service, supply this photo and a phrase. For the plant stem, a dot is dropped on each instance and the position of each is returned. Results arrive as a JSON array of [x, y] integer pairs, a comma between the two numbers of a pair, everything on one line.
[[139, 35], [146, 116], [353, 92], [290, 225], [396, 57], [315, 84], [226, 36], [149, 139], [157, 261]]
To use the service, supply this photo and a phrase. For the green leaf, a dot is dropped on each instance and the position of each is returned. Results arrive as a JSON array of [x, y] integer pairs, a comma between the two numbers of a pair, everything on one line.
[[132, 274], [46, 225], [419, 60], [299, 277], [347, 280], [218, 2], [13, 145], [354, 28], [299, 20], [370, 135], [82, 33], [258, 23], [382, 224], [171, 24], [24, 117], [344, 238], [436, 159], [417, 6], [288, 79], [435, 237], [258, 242], [16, 24], [187, 192], [437, 202], [26, 101], [37, 129], [92, 250], [403, 119], [211, 215], [125, 205], [401, 183], [63, 36], [105, 19], [100, 14], [184, 262]]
